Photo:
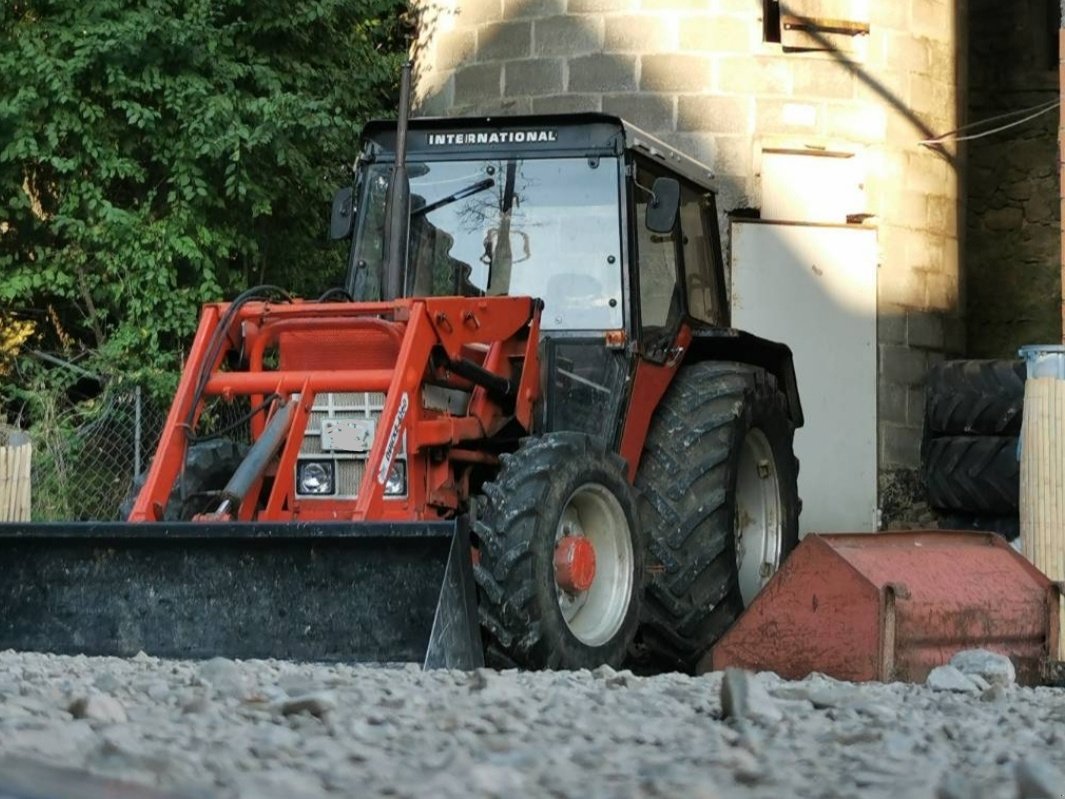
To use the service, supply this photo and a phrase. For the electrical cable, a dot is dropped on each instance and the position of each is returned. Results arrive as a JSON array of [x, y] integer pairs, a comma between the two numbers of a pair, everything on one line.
[[1036, 111], [1007, 115]]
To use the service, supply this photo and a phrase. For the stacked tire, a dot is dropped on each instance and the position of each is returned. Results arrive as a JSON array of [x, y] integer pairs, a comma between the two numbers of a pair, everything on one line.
[[973, 411]]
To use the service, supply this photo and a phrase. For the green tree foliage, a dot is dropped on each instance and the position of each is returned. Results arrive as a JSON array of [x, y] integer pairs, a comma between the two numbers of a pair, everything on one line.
[[156, 154]]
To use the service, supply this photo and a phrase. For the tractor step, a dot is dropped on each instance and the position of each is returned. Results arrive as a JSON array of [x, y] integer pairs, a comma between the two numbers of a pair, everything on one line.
[[352, 592]]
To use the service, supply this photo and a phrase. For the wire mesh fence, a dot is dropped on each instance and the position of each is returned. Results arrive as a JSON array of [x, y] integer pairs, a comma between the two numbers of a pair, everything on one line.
[[87, 457], [84, 466]]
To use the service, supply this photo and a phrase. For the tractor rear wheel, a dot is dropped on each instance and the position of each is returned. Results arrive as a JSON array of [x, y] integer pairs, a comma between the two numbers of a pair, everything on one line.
[[560, 557], [719, 504], [208, 467]]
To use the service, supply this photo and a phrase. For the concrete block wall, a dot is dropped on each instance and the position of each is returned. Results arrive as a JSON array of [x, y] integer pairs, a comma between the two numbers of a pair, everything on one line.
[[698, 74], [1013, 262]]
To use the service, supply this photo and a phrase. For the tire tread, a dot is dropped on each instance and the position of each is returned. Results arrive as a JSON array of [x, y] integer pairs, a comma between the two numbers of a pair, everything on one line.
[[975, 397], [684, 484], [973, 474]]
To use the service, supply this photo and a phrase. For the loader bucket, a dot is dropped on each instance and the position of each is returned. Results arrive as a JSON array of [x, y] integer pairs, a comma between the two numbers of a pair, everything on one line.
[[353, 592], [893, 606]]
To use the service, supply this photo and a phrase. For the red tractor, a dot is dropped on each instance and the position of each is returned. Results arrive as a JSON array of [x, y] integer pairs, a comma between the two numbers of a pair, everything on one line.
[[523, 430]]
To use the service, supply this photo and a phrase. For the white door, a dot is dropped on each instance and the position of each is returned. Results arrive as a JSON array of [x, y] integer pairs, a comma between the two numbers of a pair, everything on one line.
[[813, 287]]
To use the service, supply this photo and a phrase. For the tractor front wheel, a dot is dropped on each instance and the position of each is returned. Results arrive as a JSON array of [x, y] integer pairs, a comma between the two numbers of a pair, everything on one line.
[[208, 467], [560, 557]]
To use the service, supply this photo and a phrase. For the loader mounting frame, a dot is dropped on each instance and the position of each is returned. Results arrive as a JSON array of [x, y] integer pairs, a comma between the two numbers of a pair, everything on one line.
[[486, 347]]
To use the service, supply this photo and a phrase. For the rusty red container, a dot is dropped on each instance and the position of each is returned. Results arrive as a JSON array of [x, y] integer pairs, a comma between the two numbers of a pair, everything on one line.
[[893, 606]]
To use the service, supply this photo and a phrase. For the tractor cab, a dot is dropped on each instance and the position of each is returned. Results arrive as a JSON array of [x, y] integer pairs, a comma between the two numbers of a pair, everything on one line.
[[577, 210], [613, 230]]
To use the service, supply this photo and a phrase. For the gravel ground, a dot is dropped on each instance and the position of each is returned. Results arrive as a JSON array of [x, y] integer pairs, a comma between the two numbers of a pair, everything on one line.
[[274, 729]]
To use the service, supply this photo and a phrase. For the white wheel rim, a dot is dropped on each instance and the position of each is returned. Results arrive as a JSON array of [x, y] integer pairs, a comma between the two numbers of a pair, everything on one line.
[[594, 616], [758, 517]]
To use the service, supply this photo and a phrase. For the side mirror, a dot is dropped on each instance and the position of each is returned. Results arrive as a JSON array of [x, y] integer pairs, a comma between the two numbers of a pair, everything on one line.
[[664, 206], [342, 217]]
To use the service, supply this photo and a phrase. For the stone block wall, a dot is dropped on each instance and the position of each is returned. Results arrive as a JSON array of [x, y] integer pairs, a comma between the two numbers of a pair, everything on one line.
[[1013, 262], [698, 74]]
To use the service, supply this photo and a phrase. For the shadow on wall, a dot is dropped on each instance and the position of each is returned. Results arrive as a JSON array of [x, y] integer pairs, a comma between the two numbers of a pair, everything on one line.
[[881, 90], [493, 75], [1013, 220]]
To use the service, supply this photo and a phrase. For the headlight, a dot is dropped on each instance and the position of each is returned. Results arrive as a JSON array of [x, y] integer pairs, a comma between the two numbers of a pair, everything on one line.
[[316, 477], [396, 484]]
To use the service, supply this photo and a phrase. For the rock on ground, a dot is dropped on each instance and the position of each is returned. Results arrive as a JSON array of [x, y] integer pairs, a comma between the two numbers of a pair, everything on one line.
[[994, 668], [948, 678], [260, 728]]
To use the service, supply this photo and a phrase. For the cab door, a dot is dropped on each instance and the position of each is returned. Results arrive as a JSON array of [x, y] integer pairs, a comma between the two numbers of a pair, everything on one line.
[[659, 275]]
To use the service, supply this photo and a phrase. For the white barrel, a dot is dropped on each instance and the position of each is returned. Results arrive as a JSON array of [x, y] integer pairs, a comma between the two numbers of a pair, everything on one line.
[[1042, 495]]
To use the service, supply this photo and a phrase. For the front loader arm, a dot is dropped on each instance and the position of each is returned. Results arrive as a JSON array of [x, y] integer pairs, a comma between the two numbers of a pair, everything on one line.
[[170, 453], [509, 326], [485, 346]]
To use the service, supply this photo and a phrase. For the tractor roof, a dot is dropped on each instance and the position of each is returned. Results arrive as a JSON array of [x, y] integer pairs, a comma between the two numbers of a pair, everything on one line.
[[552, 134]]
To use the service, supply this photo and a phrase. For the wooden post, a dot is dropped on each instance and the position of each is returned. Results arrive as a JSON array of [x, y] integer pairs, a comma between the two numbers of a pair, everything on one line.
[[15, 464]]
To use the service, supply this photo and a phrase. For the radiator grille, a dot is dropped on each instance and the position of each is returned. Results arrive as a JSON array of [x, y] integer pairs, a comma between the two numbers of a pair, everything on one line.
[[348, 466]]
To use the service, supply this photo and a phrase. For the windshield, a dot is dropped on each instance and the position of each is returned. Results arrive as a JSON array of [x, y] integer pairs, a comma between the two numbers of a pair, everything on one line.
[[547, 228]]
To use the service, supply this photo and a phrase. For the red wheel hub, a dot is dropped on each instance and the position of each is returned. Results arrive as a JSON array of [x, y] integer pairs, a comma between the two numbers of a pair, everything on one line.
[[574, 564]]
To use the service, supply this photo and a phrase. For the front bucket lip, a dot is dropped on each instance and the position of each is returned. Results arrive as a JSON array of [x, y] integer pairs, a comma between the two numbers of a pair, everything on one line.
[[174, 531], [381, 592]]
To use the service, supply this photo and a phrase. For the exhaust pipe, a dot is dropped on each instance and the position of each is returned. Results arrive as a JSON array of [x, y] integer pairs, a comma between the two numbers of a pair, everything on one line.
[[397, 209]]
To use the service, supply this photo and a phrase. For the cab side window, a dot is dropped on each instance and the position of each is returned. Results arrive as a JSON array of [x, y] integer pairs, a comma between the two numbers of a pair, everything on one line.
[[701, 279], [660, 293]]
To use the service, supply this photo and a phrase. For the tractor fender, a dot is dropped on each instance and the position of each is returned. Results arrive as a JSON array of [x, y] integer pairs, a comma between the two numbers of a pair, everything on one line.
[[728, 344]]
